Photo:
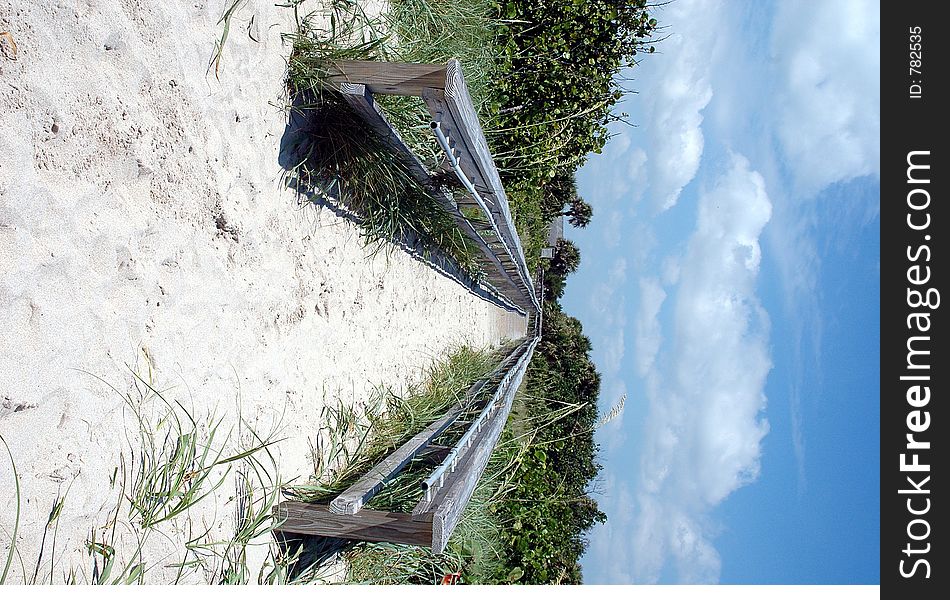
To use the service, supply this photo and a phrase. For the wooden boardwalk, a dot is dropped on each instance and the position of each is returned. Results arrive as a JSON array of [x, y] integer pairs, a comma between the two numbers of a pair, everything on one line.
[[450, 485]]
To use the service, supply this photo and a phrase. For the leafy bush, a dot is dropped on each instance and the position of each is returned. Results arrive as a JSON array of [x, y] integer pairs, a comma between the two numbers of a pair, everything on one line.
[[563, 58]]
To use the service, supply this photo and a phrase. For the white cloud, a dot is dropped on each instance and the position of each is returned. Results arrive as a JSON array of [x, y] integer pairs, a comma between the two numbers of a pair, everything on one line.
[[828, 126], [646, 325], [616, 177], [609, 542], [636, 163], [670, 270], [606, 301], [674, 103], [829, 95], [704, 425], [642, 242], [606, 330], [807, 92], [612, 228]]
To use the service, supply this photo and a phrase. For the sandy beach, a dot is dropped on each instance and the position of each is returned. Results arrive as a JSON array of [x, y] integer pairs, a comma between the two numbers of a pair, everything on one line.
[[144, 225]]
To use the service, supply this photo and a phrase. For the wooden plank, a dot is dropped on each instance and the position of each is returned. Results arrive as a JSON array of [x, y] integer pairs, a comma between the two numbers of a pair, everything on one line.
[[444, 91], [485, 175], [361, 100], [459, 103], [397, 79], [354, 497], [446, 506], [452, 108], [368, 525], [440, 113]]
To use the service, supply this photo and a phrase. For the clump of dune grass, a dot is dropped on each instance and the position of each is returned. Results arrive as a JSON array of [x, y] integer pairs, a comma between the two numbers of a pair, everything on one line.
[[412, 31], [178, 464], [343, 162], [474, 552]]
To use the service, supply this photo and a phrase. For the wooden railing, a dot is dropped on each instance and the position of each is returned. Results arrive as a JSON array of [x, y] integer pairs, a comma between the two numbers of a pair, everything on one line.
[[447, 489], [443, 89], [449, 486]]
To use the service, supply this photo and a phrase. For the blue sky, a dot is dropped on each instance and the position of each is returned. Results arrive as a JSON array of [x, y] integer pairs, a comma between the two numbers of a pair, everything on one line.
[[730, 287]]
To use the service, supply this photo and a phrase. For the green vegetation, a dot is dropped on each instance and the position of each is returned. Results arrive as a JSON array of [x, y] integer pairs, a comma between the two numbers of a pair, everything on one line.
[[341, 160], [528, 517], [543, 78], [546, 506], [357, 441], [561, 61]]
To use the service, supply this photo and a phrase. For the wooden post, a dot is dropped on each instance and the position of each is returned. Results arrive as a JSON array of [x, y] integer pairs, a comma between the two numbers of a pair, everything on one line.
[[367, 525], [396, 79]]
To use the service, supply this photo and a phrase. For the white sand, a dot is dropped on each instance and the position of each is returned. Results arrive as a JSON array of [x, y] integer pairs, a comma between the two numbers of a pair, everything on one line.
[[141, 214]]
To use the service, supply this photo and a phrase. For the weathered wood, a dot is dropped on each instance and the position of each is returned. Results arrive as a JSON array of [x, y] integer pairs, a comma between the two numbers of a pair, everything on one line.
[[459, 104], [444, 91], [397, 79], [359, 97], [352, 500], [367, 525], [458, 112], [445, 507], [448, 504], [439, 111]]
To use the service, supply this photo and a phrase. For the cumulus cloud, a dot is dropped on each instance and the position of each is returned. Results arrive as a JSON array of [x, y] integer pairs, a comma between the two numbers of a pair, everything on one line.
[[804, 79], [704, 425], [829, 95], [647, 326], [675, 101], [827, 121]]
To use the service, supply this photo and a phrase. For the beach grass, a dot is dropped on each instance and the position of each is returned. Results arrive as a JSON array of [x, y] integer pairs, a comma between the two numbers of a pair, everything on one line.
[[342, 161], [174, 468]]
